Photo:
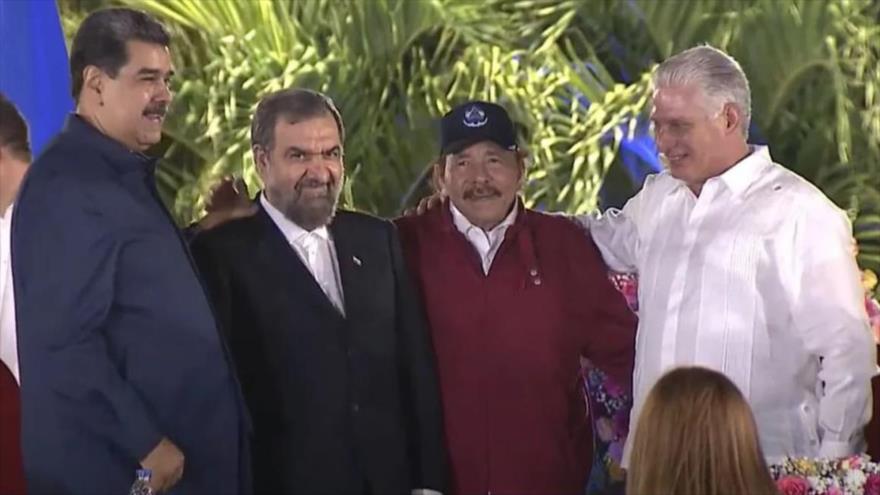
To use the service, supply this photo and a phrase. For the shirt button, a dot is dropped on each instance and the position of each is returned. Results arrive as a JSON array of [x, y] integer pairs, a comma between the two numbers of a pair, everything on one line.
[[355, 407], [533, 272], [537, 281]]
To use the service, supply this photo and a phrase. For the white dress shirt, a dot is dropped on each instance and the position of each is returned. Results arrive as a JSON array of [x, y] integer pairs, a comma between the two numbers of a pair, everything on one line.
[[316, 250], [8, 341], [485, 242], [754, 278]]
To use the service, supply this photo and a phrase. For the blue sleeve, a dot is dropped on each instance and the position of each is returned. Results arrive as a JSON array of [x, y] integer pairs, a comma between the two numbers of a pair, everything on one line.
[[65, 266]]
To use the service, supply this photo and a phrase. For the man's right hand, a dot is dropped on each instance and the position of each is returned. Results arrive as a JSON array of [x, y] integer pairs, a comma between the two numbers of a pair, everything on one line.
[[425, 204], [166, 463]]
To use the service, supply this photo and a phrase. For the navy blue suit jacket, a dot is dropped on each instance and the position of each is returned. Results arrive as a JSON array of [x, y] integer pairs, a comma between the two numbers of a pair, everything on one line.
[[118, 344]]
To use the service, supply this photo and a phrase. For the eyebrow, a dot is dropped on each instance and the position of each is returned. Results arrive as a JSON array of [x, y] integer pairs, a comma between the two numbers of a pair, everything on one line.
[[304, 151], [465, 154], [669, 120], [153, 72]]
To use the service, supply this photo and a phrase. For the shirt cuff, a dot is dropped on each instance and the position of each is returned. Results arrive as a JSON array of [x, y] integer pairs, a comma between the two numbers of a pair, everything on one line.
[[836, 450], [425, 491]]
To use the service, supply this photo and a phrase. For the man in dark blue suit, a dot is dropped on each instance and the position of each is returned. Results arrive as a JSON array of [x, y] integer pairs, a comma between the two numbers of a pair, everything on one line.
[[122, 365]]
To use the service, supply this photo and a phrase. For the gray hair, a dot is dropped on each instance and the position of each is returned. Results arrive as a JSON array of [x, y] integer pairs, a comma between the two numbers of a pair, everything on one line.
[[716, 73]]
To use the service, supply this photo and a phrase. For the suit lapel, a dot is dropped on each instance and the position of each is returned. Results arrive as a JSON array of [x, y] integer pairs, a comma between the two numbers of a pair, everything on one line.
[[286, 267], [350, 262]]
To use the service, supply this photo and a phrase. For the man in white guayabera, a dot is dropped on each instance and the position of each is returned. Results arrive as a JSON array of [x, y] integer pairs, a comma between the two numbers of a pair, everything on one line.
[[744, 267]]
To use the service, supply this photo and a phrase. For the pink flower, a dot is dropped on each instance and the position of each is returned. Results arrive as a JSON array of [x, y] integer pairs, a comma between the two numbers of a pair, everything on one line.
[[613, 389], [793, 485], [833, 491], [872, 485], [628, 285]]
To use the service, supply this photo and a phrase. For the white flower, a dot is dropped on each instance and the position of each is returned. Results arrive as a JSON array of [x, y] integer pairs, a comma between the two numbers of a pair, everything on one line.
[[855, 479]]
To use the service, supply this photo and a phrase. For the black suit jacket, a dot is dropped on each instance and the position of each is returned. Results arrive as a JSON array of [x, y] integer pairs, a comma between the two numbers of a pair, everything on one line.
[[340, 404]]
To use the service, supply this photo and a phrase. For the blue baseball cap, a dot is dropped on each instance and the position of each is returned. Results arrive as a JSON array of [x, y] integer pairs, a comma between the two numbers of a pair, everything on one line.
[[473, 122]]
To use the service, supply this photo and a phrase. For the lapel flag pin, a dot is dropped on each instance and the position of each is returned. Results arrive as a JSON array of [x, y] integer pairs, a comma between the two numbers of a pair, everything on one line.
[[357, 261]]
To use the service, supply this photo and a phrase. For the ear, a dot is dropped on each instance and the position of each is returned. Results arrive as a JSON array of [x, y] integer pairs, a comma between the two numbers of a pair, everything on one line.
[[438, 179], [260, 159], [732, 118], [93, 79], [522, 157]]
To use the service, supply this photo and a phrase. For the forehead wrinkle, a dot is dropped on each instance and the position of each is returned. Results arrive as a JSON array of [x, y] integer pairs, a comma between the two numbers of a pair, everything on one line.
[[314, 139]]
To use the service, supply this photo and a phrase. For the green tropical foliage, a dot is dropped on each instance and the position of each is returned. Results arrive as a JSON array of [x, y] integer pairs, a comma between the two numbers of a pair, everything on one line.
[[395, 66]]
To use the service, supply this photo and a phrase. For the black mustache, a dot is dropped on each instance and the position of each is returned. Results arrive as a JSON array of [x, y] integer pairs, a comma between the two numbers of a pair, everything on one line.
[[158, 110]]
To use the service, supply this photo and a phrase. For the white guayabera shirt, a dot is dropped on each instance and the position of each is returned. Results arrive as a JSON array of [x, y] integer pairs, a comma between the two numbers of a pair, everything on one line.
[[754, 278]]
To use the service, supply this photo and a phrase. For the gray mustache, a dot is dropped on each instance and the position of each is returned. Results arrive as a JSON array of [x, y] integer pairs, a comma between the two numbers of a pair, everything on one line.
[[482, 192], [313, 183]]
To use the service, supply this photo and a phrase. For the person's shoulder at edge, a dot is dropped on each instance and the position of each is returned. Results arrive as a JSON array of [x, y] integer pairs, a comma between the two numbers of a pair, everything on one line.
[[360, 219], [58, 182], [363, 226], [421, 228], [794, 190], [654, 184], [66, 168], [239, 231], [558, 231], [659, 182]]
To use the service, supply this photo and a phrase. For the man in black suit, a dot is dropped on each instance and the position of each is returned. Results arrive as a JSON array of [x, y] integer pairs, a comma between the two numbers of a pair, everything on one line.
[[324, 325]]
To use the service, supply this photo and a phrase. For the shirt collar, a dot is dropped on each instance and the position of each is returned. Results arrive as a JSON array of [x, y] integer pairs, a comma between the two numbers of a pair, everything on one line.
[[742, 174], [464, 225], [7, 215], [122, 158], [739, 177], [291, 231]]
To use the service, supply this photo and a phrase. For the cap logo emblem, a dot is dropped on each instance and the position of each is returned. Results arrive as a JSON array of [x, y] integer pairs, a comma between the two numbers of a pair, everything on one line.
[[475, 117]]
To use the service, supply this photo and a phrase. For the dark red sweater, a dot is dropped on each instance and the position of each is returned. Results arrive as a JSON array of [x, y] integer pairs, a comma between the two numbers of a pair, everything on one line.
[[11, 471], [508, 347]]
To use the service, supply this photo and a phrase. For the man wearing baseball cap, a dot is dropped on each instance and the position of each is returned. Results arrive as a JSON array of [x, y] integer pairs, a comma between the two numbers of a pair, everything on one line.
[[515, 298]]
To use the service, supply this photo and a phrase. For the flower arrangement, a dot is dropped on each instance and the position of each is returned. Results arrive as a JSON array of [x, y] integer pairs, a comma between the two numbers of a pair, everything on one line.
[[854, 475], [872, 306], [609, 407], [628, 285]]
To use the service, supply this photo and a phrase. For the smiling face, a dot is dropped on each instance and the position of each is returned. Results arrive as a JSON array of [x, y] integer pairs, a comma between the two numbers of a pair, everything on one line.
[[131, 107], [303, 170], [688, 133], [482, 181]]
